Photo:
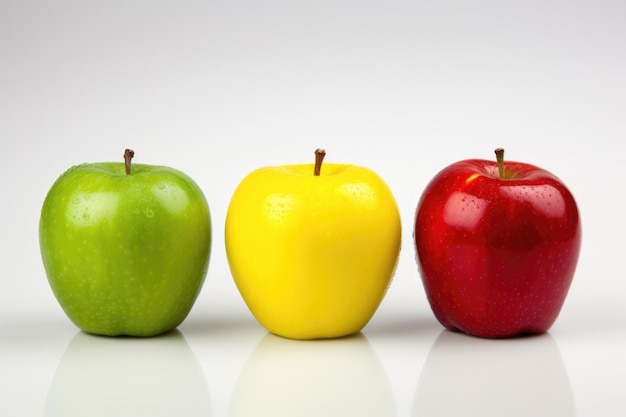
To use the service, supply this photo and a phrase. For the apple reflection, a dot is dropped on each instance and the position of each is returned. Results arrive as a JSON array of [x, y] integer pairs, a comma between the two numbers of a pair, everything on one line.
[[470, 376], [119, 376], [285, 377]]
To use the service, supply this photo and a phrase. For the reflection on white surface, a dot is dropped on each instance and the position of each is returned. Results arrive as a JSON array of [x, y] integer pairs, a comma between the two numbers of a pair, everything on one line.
[[341, 377], [116, 376], [470, 376]]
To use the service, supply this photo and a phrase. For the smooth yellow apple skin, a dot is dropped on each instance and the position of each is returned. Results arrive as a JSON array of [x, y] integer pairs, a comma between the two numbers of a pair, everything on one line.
[[313, 256]]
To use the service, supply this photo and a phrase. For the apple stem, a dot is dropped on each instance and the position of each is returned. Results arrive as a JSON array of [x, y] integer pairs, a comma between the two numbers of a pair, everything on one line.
[[500, 159], [319, 157], [128, 156]]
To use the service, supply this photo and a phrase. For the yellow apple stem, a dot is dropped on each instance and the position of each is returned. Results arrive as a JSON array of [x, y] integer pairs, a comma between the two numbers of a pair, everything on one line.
[[500, 159], [319, 157], [128, 156]]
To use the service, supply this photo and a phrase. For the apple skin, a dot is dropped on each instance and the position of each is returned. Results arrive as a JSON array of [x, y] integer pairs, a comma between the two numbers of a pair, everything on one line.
[[312, 256], [125, 254], [496, 256]]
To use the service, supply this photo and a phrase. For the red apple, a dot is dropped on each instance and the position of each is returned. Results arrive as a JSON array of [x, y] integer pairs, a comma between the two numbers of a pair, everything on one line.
[[497, 246]]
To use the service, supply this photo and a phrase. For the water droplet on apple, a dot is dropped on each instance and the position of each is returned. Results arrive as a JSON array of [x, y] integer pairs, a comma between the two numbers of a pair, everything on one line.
[[148, 212]]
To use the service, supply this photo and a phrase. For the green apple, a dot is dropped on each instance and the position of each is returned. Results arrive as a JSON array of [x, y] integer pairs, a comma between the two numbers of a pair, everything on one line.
[[126, 250]]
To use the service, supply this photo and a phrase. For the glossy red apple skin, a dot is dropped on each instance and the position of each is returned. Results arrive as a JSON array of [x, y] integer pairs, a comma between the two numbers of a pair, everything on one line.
[[496, 256]]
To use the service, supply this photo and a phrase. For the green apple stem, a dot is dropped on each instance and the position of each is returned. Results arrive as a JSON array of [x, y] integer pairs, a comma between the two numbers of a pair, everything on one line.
[[128, 156], [319, 157], [500, 159]]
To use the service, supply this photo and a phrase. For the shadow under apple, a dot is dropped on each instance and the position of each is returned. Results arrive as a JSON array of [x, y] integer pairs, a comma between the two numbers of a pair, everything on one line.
[[285, 377], [125, 376], [471, 376]]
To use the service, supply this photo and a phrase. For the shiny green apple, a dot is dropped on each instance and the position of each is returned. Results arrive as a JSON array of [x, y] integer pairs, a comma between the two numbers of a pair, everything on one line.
[[126, 249]]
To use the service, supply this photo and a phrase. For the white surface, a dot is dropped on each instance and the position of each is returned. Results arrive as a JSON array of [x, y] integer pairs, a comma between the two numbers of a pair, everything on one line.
[[218, 88]]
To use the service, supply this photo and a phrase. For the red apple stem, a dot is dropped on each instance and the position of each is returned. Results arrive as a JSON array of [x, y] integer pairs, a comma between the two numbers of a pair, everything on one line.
[[500, 159], [128, 156], [319, 157]]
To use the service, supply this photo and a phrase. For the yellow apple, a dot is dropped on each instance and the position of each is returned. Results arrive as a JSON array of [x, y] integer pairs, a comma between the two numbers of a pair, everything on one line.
[[313, 249]]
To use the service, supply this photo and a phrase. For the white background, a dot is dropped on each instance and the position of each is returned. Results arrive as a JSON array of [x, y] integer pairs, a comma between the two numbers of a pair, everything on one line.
[[219, 88]]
